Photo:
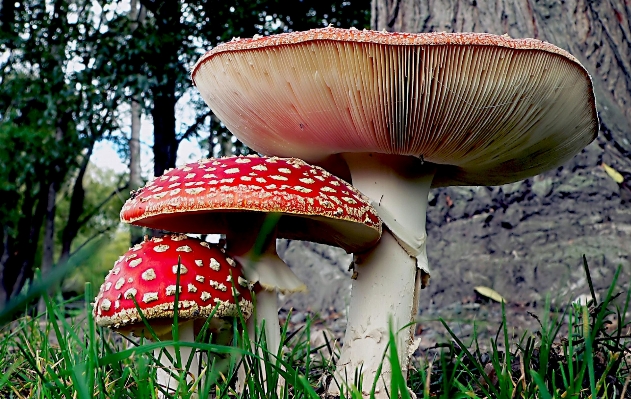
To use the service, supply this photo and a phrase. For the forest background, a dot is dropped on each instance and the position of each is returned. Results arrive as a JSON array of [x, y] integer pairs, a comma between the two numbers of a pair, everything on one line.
[[77, 73]]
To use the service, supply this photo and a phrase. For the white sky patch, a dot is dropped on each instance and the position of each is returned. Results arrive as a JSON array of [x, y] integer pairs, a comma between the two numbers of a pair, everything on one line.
[[105, 155]]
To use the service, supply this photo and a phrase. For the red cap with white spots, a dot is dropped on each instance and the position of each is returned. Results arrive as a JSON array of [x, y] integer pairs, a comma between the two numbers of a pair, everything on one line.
[[210, 195], [209, 279]]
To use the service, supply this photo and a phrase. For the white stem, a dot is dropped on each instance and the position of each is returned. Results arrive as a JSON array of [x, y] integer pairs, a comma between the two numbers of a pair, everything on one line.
[[387, 286], [266, 310], [274, 276], [167, 372]]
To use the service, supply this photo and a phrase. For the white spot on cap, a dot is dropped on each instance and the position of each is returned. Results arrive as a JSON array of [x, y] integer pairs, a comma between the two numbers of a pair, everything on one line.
[[349, 200], [199, 278], [328, 189], [184, 248], [106, 304], [174, 185], [229, 278], [194, 191], [217, 285], [175, 192], [261, 168], [187, 169], [334, 183], [183, 269], [156, 189], [204, 244], [179, 237], [232, 171], [130, 280], [199, 262], [246, 178], [148, 275], [231, 262], [242, 282], [108, 285], [159, 195], [278, 177], [242, 160], [307, 180], [261, 180], [119, 283], [192, 288], [190, 176], [229, 181], [284, 170], [170, 290], [209, 176], [130, 293], [157, 239], [117, 304], [135, 262], [270, 186], [302, 189], [205, 296], [321, 178], [132, 256], [174, 178], [150, 297], [214, 264], [161, 248]]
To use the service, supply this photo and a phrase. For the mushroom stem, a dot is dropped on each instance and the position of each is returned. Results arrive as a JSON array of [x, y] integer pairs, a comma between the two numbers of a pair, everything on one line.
[[167, 372], [385, 293], [273, 275]]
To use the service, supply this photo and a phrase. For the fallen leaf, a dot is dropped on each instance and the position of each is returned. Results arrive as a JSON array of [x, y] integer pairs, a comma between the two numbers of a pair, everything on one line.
[[614, 174], [489, 293]]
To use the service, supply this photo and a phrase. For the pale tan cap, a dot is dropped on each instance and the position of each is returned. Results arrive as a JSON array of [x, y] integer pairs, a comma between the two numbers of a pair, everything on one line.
[[486, 109]]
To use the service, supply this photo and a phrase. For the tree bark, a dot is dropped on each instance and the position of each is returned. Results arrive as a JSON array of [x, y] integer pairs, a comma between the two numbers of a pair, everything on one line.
[[598, 34], [137, 14]]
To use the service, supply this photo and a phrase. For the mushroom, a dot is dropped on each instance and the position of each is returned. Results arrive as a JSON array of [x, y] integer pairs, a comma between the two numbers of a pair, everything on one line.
[[401, 113], [146, 275], [233, 195]]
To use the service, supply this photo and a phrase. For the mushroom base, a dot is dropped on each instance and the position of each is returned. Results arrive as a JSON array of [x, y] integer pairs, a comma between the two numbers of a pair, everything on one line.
[[168, 373], [382, 298], [389, 277]]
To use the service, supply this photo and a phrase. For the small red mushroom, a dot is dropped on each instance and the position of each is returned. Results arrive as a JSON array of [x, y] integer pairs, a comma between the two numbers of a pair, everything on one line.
[[146, 275]]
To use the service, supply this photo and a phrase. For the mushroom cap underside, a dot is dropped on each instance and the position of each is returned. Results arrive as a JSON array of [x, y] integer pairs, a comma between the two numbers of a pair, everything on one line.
[[214, 195], [485, 109], [146, 275]]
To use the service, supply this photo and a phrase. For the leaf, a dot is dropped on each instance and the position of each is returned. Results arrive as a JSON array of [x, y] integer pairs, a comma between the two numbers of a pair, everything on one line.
[[489, 293], [614, 174]]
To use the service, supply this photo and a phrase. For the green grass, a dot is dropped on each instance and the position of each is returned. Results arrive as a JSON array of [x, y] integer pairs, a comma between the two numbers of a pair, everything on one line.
[[581, 353]]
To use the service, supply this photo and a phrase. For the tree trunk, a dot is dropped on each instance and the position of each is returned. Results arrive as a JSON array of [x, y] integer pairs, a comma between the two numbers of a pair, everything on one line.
[[73, 224], [137, 14], [135, 178], [598, 34]]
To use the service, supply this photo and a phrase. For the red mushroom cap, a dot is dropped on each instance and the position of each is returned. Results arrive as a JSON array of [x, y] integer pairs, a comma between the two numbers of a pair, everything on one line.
[[208, 196], [148, 273]]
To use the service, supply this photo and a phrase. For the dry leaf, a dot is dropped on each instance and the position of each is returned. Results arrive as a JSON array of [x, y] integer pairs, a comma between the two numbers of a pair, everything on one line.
[[489, 293], [614, 174]]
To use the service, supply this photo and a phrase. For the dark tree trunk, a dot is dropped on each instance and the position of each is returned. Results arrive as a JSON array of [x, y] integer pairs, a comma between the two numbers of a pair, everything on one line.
[[165, 140], [526, 239], [73, 224]]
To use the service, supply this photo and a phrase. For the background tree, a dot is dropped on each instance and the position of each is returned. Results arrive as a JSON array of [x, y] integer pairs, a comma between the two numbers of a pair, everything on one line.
[[529, 234]]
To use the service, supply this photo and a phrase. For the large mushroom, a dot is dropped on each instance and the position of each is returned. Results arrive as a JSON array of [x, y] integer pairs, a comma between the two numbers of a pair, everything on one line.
[[401, 113], [233, 195], [146, 275]]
